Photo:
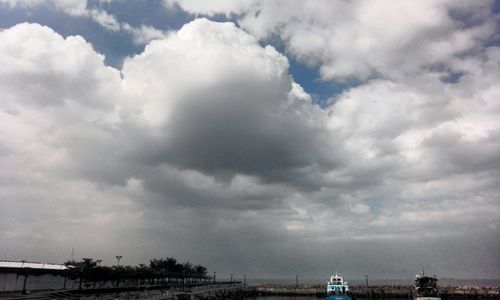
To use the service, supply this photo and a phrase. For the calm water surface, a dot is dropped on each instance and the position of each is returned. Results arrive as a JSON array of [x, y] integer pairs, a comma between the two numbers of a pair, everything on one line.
[[297, 298], [282, 298]]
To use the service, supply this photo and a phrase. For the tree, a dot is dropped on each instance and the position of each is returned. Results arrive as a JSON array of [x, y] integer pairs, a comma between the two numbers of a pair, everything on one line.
[[201, 271], [90, 272]]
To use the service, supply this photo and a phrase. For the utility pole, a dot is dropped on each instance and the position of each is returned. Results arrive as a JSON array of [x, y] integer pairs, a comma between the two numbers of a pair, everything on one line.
[[24, 292], [245, 280], [118, 257], [297, 281], [81, 277], [231, 277], [214, 276], [368, 291]]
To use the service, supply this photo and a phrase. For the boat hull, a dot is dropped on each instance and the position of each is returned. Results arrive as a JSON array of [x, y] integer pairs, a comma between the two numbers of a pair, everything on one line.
[[338, 297]]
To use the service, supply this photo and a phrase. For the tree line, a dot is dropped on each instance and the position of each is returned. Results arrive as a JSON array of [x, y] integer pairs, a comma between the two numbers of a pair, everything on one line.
[[161, 271]]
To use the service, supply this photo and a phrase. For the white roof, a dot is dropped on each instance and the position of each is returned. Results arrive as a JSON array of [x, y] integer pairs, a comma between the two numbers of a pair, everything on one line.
[[31, 265]]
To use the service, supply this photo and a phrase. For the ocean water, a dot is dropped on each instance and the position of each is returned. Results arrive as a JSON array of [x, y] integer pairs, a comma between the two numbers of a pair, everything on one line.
[[282, 298], [296, 298], [408, 281]]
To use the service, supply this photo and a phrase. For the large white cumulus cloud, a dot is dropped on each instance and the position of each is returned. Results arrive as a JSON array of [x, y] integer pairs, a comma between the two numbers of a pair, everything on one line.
[[49, 70], [225, 105], [363, 39], [204, 138], [53, 90], [85, 146]]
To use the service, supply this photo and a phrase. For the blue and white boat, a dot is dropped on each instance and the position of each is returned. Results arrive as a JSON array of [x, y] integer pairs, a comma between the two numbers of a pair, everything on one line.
[[337, 289]]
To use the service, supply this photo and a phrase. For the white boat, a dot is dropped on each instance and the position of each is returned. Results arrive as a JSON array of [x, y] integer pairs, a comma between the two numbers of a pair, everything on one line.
[[337, 289]]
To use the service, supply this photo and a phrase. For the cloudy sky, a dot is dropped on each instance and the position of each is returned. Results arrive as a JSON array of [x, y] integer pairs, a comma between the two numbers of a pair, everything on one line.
[[267, 138]]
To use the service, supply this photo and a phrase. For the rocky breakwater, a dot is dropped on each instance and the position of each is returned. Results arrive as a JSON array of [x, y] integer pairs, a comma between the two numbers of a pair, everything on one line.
[[219, 291], [290, 290], [407, 292], [380, 291]]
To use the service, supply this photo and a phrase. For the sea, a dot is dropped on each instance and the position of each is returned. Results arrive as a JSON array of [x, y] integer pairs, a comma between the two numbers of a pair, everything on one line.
[[295, 298], [442, 282], [281, 298], [405, 281]]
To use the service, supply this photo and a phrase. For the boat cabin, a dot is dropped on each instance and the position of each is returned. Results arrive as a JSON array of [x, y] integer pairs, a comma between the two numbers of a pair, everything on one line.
[[337, 286], [426, 286]]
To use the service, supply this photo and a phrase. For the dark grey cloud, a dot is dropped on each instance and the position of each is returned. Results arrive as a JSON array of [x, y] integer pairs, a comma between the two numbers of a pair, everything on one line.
[[457, 155], [233, 118], [225, 133]]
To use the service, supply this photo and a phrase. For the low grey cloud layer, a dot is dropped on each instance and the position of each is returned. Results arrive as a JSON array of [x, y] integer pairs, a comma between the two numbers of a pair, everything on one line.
[[204, 147]]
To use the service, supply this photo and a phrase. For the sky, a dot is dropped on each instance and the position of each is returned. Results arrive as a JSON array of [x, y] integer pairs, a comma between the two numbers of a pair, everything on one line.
[[266, 138]]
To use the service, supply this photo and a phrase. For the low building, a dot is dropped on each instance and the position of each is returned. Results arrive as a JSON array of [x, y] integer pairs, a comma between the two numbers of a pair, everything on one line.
[[27, 276]]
